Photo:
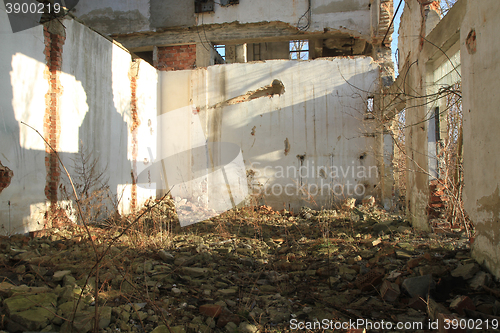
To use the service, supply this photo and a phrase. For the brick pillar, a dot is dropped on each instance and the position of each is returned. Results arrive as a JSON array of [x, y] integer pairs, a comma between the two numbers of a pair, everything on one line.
[[174, 58], [133, 73], [52, 127]]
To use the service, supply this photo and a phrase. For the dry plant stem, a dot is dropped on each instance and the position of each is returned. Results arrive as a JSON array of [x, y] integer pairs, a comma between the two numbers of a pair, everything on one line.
[[96, 319], [98, 256], [72, 186], [103, 254]]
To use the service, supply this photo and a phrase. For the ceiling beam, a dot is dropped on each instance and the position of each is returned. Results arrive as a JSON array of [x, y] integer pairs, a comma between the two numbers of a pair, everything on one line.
[[227, 33]]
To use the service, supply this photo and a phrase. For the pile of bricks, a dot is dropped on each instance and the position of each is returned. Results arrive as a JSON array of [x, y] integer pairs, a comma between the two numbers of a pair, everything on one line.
[[173, 58], [438, 199]]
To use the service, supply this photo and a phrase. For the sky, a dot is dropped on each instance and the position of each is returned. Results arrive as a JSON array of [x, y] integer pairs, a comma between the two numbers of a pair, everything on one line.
[[394, 44]]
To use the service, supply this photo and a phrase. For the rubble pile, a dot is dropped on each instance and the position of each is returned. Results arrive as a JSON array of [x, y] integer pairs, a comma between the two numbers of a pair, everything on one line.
[[247, 270]]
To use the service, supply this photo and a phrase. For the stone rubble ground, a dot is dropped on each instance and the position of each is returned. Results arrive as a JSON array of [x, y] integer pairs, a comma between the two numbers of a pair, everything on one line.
[[245, 271]]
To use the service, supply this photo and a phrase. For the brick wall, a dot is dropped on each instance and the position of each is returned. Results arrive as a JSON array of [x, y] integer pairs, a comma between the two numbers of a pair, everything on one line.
[[133, 73], [438, 199], [173, 58], [52, 126], [385, 17]]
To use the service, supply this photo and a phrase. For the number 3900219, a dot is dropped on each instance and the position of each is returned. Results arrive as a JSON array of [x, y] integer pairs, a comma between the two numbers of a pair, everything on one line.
[[32, 8], [472, 324]]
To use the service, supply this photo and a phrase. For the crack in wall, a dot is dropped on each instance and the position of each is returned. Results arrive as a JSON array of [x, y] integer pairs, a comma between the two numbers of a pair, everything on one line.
[[275, 88]]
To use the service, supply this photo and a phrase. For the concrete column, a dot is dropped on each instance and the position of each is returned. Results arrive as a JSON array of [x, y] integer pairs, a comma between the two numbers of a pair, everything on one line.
[[230, 54], [241, 53], [204, 55]]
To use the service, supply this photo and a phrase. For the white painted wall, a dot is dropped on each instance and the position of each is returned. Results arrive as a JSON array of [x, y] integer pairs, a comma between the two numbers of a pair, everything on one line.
[[320, 114], [23, 87], [95, 112]]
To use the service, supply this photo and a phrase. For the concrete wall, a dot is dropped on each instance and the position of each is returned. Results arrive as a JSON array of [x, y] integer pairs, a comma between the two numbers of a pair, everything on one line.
[[94, 102], [413, 60], [317, 123], [353, 16], [118, 17], [480, 73], [110, 16]]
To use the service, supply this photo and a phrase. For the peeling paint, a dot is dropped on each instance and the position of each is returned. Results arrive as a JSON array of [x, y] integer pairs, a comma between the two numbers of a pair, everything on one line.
[[275, 88], [287, 146], [491, 204]]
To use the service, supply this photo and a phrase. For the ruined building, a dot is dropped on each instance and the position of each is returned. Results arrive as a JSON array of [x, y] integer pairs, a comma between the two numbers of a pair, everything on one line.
[[303, 89], [310, 134]]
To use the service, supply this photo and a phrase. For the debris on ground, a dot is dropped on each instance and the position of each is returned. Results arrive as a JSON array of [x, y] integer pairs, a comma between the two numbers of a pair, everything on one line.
[[247, 270]]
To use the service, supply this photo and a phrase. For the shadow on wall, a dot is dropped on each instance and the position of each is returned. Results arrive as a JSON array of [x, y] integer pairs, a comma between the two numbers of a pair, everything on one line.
[[103, 131]]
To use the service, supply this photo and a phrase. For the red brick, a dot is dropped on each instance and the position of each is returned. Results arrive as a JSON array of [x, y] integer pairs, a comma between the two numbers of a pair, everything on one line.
[[227, 317], [389, 291]]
